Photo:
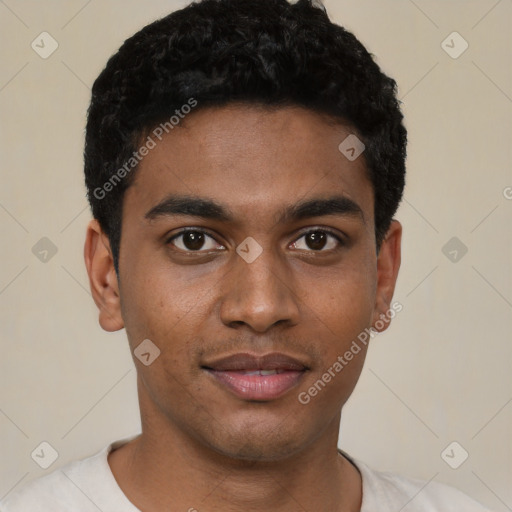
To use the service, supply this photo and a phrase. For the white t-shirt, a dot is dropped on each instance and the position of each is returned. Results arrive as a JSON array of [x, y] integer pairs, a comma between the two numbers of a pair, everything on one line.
[[88, 485]]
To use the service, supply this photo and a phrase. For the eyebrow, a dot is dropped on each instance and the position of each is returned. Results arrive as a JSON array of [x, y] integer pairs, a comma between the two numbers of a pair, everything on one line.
[[208, 209]]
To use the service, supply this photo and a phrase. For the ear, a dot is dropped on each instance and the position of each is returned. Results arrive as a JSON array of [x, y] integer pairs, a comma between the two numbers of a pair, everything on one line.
[[102, 277], [388, 264]]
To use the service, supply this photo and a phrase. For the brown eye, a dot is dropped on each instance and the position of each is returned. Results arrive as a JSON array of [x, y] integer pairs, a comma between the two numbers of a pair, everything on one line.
[[193, 241], [318, 240]]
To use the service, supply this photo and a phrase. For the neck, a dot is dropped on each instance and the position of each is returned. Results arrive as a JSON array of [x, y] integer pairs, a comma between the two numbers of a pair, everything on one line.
[[166, 469]]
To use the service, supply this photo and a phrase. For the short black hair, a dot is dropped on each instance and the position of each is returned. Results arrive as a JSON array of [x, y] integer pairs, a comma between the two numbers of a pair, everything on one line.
[[216, 52]]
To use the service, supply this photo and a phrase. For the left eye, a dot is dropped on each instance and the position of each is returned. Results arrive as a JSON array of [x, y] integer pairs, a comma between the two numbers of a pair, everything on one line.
[[318, 240]]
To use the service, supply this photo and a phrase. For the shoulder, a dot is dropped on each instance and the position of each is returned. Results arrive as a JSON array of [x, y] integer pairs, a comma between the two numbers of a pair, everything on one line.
[[410, 494], [59, 491]]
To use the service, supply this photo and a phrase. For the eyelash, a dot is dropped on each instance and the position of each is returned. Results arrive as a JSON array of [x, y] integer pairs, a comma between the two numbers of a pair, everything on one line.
[[340, 241]]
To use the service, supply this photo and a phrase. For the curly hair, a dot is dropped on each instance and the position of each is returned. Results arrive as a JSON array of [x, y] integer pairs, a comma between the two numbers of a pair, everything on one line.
[[265, 52]]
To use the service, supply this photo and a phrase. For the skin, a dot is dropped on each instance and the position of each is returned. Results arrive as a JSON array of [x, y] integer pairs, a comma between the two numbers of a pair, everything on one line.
[[201, 447]]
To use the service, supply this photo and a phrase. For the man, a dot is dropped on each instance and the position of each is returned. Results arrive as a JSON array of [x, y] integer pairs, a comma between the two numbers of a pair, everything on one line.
[[243, 161]]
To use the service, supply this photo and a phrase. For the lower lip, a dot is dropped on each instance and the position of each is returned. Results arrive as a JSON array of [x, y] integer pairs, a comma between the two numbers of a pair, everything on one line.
[[258, 387]]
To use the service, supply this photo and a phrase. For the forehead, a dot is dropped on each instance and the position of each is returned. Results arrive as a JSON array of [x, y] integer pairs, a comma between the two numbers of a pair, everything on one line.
[[251, 159]]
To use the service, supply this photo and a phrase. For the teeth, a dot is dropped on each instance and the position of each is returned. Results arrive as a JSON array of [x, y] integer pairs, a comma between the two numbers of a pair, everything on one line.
[[262, 372]]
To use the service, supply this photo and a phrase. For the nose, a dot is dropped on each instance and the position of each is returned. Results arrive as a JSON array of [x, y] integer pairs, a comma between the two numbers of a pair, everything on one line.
[[260, 294]]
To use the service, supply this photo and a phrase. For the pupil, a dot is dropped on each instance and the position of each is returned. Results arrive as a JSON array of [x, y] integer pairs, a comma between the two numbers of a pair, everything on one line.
[[193, 241], [316, 240]]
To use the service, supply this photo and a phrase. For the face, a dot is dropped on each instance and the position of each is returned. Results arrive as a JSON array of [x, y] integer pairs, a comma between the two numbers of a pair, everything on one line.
[[248, 258]]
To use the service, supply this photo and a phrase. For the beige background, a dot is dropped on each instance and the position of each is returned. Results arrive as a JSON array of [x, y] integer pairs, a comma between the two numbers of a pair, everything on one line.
[[441, 373]]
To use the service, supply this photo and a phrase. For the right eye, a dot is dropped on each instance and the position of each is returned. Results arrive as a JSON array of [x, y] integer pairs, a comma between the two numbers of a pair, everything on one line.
[[193, 240]]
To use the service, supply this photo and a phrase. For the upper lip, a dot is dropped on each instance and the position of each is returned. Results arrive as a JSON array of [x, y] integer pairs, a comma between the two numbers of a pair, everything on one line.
[[247, 361]]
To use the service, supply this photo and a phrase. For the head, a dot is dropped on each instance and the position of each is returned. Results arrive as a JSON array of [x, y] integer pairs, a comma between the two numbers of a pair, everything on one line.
[[229, 118]]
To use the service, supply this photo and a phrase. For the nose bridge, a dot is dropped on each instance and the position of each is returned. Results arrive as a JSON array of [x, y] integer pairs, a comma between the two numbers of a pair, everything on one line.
[[260, 290]]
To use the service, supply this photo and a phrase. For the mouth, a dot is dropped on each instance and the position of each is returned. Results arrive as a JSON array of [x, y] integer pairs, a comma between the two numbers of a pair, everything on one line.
[[257, 378]]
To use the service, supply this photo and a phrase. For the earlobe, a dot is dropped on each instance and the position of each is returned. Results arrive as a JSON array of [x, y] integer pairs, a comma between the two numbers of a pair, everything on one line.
[[388, 265], [102, 277]]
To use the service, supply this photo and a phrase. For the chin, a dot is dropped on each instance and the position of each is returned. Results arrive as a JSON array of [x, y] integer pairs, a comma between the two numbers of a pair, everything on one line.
[[255, 441], [253, 451]]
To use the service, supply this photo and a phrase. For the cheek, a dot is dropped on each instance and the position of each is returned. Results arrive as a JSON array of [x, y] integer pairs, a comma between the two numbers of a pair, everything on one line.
[[156, 302], [339, 384], [343, 300], [169, 320]]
